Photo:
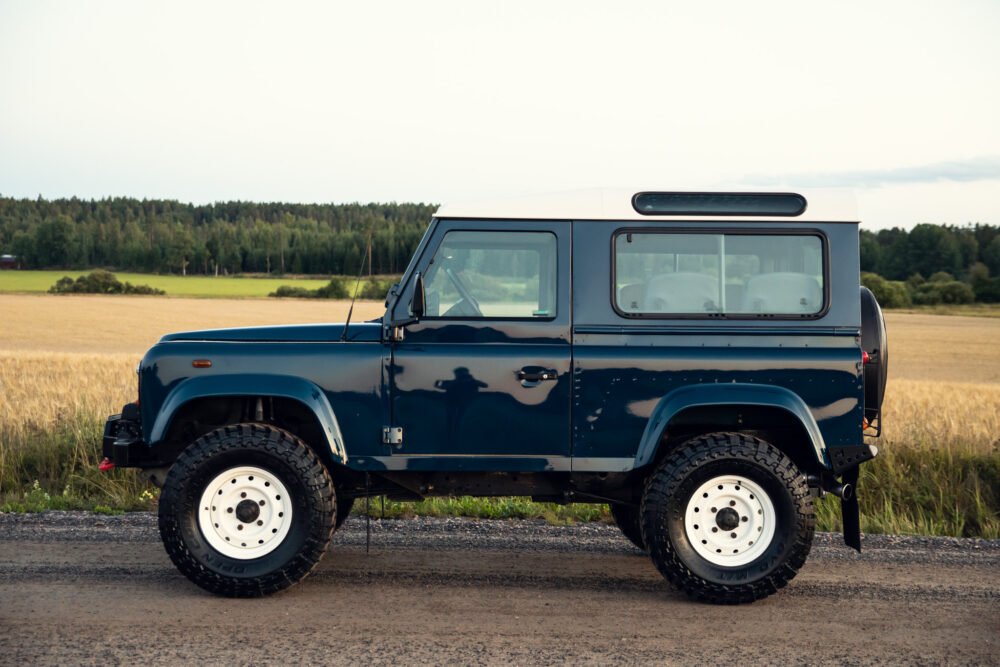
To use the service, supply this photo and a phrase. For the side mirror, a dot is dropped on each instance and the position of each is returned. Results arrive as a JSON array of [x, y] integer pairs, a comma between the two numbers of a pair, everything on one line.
[[417, 301]]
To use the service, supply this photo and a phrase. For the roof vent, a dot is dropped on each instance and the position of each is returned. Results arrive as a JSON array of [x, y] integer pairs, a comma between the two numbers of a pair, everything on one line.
[[719, 203]]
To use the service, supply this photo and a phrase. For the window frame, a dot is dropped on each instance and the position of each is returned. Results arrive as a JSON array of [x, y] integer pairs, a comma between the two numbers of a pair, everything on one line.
[[555, 276], [727, 231]]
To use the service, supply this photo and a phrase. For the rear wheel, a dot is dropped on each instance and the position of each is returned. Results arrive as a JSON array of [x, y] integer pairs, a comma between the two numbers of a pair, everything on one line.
[[627, 518], [247, 510], [728, 518]]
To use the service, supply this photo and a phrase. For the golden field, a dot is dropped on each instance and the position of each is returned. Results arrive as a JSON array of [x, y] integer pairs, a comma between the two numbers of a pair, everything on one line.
[[66, 362]]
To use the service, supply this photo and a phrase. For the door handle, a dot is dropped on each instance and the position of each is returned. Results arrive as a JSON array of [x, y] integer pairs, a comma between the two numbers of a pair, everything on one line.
[[536, 374]]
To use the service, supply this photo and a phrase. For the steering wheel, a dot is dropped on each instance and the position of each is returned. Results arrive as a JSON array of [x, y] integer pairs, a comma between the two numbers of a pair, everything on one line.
[[463, 292]]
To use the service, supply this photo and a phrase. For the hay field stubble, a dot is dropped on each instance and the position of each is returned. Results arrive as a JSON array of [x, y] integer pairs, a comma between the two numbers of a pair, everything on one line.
[[66, 362]]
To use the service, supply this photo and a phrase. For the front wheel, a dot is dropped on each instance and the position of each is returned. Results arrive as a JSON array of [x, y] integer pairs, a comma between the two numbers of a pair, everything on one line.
[[728, 518], [247, 510]]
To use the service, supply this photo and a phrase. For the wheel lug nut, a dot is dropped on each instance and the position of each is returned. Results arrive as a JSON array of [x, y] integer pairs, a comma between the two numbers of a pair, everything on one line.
[[732, 503], [714, 510], [714, 529], [239, 527], [243, 495], [262, 503], [230, 510], [745, 519], [732, 535], [260, 523]]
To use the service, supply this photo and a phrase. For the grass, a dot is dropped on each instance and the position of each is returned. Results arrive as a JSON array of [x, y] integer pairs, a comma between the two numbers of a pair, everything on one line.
[[27, 282], [485, 508], [67, 362]]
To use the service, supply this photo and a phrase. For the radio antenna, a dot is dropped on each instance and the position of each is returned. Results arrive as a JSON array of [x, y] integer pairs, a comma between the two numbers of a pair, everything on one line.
[[357, 283]]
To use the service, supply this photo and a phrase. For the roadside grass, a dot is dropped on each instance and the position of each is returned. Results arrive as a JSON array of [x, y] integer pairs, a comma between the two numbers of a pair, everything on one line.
[[483, 508], [935, 474], [243, 285]]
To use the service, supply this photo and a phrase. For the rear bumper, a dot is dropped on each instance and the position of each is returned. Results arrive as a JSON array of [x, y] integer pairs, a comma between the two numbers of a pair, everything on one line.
[[122, 443]]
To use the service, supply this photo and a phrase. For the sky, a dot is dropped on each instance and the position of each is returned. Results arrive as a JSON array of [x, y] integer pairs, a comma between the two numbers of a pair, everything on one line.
[[436, 101]]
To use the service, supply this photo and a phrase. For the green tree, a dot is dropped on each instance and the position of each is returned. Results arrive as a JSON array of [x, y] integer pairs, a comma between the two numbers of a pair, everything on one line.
[[931, 248], [54, 242], [871, 252], [991, 255]]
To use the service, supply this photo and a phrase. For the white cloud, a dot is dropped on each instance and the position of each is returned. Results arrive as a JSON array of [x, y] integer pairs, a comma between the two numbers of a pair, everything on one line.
[[985, 168]]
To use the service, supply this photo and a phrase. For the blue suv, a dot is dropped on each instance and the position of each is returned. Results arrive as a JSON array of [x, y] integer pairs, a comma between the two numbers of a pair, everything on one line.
[[705, 363]]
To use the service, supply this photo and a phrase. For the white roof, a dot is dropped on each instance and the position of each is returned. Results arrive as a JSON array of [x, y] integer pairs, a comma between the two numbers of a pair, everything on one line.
[[822, 205]]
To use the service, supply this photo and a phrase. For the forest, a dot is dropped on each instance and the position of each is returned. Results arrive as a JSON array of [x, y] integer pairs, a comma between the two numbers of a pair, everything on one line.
[[927, 264], [932, 264], [164, 236]]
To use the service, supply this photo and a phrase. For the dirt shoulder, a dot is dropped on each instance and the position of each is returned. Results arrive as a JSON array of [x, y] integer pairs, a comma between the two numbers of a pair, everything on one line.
[[80, 588]]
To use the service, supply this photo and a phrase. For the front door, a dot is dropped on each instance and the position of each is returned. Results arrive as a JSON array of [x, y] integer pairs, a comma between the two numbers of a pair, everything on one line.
[[482, 381]]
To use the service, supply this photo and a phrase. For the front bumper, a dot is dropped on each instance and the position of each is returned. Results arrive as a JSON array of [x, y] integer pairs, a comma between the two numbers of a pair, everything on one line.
[[123, 444]]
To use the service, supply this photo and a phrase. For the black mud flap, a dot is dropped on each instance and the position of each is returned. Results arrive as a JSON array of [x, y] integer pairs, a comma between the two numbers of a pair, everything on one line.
[[850, 512]]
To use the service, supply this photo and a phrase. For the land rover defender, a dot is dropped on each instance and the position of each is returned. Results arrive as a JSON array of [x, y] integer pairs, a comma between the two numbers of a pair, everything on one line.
[[706, 363]]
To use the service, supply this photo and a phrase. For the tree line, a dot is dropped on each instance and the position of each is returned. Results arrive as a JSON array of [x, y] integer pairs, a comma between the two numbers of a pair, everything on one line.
[[165, 236], [932, 264]]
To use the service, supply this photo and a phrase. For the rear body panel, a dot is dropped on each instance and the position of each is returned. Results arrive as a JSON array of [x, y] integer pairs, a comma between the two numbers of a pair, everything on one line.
[[623, 366]]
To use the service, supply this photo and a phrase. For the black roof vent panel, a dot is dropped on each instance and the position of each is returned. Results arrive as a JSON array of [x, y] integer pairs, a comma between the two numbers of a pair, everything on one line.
[[719, 203]]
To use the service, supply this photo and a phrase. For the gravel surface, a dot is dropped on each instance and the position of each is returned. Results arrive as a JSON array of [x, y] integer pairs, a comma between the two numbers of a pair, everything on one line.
[[86, 589]]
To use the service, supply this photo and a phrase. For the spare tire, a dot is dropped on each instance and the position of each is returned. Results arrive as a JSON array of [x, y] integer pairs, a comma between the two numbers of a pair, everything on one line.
[[875, 342]]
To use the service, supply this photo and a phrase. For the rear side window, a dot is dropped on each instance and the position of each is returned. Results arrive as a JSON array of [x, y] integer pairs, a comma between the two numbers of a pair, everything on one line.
[[662, 274]]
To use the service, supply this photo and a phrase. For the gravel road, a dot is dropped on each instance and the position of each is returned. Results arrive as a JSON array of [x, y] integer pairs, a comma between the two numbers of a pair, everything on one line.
[[79, 588]]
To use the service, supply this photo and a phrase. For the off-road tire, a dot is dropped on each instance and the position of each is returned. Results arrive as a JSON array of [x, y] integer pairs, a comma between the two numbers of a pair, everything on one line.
[[627, 518], [665, 502], [344, 506], [313, 503]]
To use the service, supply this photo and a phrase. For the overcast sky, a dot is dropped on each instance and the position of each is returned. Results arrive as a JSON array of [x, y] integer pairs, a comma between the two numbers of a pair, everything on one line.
[[434, 101]]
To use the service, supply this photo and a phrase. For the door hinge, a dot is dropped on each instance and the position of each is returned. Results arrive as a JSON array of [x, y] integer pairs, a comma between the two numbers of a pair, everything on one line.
[[392, 435]]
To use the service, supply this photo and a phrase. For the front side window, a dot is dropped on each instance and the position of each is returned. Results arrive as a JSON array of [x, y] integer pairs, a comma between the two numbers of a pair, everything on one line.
[[492, 274], [747, 275]]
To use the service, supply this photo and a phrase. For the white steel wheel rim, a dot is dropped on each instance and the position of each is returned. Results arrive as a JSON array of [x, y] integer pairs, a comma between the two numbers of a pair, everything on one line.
[[245, 513], [730, 521]]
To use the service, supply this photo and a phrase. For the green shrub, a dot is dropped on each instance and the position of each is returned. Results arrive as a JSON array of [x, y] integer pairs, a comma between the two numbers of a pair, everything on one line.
[[291, 291], [890, 293], [988, 291], [335, 289], [941, 277], [950, 292], [100, 281], [375, 289]]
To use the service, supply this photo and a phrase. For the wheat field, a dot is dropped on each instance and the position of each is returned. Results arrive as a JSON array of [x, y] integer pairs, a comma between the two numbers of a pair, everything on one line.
[[66, 362]]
